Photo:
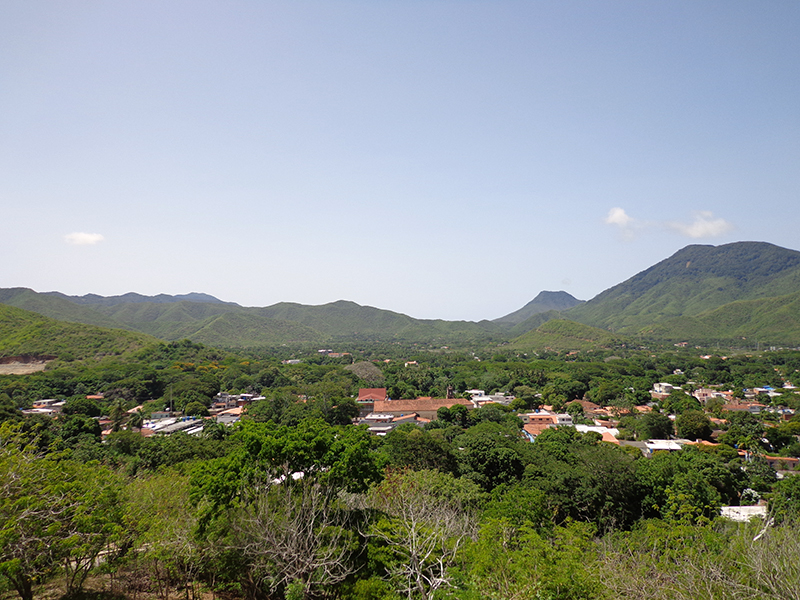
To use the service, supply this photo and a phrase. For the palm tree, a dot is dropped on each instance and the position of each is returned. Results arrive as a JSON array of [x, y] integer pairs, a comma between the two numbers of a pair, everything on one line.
[[118, 415], [136, 420]]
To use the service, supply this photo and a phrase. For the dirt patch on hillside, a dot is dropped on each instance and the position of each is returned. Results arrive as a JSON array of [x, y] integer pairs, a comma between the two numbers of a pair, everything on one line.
[[23, 365]]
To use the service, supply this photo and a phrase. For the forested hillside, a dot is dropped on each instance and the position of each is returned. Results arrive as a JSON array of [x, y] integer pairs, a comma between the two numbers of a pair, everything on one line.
[[694, 280]]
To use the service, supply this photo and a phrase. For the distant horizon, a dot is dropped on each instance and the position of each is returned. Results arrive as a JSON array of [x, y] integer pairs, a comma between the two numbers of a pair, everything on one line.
[[536, 294]]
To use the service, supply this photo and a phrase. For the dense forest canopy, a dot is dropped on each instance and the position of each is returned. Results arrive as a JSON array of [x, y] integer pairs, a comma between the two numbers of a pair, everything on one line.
[[297, 501]]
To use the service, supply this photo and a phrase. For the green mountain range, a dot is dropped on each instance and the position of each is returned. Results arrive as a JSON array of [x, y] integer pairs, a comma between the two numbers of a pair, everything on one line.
[[700, 294]]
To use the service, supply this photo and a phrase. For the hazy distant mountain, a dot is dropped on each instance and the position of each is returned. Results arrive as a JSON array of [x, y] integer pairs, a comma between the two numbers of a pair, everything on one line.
[[134, 298], [693, 281], [544, 302]]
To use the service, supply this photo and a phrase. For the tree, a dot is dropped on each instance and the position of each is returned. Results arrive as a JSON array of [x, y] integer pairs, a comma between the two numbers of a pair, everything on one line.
[[575, 410], [679, 401], [423, 533], [693, 425], [118, 415], [195, 409], [136, 420], [8, 410], [655, 426], [744, 431], [518, 563], [411, 446], [82, 406], [294, 535], [51, 512], [161, 523], [339, 457], [785, 502]]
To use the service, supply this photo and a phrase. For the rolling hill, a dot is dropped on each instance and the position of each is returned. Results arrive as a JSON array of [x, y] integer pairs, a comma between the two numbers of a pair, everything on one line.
[[56, 307], [24, 332], [562, 335]]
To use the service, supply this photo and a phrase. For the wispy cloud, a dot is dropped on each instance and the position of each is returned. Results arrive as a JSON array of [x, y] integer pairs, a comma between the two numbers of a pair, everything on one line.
[[704, 225], [83, 239]]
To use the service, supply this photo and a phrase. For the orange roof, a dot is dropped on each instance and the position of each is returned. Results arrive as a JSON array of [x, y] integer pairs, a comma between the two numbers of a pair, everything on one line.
[[586, 404], [608, 437], [412, 416], [702, 443], [371, 394], [536, 428], [418, 404]]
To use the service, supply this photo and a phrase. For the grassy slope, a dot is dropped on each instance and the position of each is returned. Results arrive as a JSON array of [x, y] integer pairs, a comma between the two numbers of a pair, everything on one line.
[[558, 334], [770, 320], [243, 330], [25, 332]]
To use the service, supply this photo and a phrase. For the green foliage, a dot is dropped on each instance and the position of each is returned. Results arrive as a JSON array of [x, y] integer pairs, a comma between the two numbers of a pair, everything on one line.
[[693, 425], [418, 449], [562, 335], [744, 431], [52, 512], [518, 562], [679, 401], [82, 406], [335, 456], [785, 502], [584, 480], [648, 426]]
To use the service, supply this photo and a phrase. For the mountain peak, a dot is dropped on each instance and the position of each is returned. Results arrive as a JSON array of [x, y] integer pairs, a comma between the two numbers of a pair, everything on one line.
[[545, 301]]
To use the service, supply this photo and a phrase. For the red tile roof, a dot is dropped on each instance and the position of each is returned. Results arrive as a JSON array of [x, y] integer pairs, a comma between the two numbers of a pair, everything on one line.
[[371, 394], [427, 404]]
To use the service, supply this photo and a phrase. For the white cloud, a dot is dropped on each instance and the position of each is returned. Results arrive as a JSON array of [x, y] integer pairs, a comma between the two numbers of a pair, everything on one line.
[[83, 239], [618, 216], [704, 225]]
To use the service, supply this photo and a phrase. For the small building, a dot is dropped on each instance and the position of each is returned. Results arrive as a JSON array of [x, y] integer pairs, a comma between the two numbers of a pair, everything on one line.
[[663, 388], [425, 407], [662, 445], [743, 513], [367, 397], [382, 423]]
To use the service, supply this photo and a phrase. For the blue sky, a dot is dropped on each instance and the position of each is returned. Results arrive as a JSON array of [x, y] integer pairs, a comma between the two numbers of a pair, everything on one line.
[[441, 159]]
